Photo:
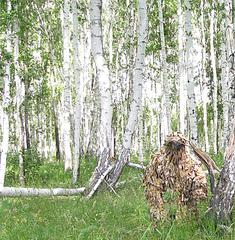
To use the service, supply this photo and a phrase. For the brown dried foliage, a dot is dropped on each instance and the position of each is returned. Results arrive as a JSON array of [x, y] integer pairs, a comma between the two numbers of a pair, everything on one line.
[[177, 168]]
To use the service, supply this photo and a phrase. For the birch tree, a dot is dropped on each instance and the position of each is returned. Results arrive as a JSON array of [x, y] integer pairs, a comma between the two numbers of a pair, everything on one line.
[[137, 95], [78, 104], [105, 129], [191, 104], [215, 81], [204, 78], [181, 67], [222, 200], [165, 126], [18, 102], [66, 128], [5, 100]]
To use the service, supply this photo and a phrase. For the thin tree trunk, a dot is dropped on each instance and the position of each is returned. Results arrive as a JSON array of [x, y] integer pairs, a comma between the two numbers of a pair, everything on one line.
[[215, 81], [181, 67], [66, 129], [165, 83], [30, 192], [6, 98], [78, 105], [19, 99], [190, 79], [224, 87], [204, 79], [137, 96]]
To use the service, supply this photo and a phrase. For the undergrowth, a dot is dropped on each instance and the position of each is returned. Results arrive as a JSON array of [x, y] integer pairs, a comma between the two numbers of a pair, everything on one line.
[[108, 215]]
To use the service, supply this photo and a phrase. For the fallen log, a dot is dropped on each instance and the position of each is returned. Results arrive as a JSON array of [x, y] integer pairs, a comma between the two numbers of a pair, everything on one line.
[[30, 192], [136, 165]]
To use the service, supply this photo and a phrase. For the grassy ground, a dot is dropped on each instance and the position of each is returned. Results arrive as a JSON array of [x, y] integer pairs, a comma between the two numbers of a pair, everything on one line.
[[106, 216]]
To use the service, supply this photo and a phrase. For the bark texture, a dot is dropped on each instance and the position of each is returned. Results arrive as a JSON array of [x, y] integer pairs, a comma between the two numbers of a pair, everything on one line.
[[137, 96], [190, 79], [105, 131], [30, 192], [5, 103], [222, 200]]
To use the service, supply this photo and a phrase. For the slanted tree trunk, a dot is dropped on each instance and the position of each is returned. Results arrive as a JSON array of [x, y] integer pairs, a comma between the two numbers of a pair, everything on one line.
[[78, 105], [222, 200], [190, 80], [105, 130], [137, 96], [5, 102]]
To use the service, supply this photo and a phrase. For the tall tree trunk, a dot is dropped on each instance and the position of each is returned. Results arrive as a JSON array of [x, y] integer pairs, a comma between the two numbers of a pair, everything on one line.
[[230, 41], [204, 79], [190, 79], [66, 124], [215, 81], [5, 102], [78, 105], [181, 67], [224, 86], [105, 131], [137, 96], [165, 80], [18, 101]]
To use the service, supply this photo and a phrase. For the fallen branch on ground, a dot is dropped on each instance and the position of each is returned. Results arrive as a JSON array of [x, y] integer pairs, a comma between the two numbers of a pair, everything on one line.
[[29, 192], [136, 165]]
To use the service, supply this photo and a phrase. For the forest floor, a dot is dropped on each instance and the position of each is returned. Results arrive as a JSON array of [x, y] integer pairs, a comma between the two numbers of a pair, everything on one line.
[[108, 215]]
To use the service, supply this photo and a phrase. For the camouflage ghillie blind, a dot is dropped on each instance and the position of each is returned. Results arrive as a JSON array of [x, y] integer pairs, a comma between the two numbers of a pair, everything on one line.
[[177, 169]]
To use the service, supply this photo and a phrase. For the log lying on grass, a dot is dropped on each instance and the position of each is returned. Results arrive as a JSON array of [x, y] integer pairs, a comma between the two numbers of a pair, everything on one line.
[[29, 192], [136, 165]]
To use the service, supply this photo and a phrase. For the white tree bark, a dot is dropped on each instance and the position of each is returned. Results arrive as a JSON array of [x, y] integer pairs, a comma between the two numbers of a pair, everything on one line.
[[6, 98], [66, 128], [18, 101], [166, 112], [215, 81], [137, 95], [204, 80], [181, 67], [102, 75], [78, 83], [190, 80], [102, 71], [30, 192], [230, 41], [224, 86]]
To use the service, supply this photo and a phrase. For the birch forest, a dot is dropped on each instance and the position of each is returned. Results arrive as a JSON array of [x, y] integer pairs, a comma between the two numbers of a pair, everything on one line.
[[97, 99]]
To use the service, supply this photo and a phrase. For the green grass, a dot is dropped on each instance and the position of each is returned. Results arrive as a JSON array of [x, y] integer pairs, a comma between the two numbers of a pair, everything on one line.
[[106, 216]]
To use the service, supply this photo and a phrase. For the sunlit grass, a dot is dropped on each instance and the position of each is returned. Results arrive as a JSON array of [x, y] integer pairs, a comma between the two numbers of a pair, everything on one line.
[[107, 216]]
